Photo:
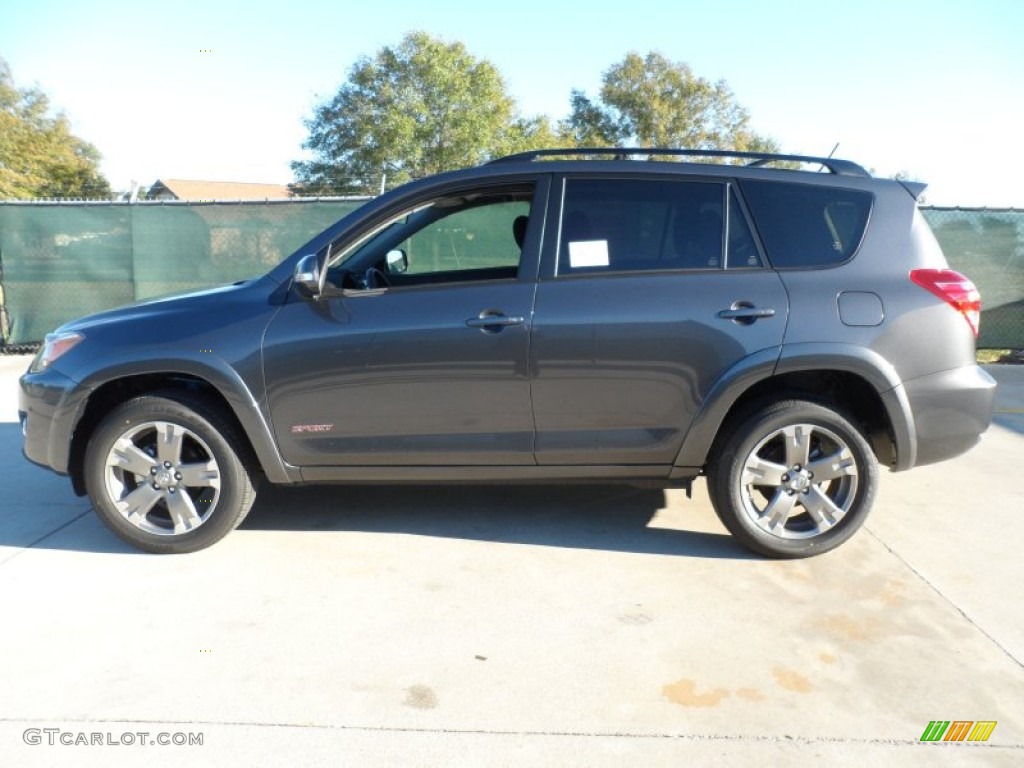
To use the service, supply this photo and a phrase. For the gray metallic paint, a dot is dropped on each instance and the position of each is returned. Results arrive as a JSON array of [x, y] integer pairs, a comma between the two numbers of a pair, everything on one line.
[[730, 386], [401, 379], [214, 340], [950, 410], [621, 364], [403, 376]]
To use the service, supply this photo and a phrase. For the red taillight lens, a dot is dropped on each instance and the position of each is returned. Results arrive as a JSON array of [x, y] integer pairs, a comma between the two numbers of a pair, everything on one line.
[[955, 289]]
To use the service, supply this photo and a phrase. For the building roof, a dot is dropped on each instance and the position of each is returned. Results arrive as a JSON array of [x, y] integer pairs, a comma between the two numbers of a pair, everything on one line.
[[207, 191]]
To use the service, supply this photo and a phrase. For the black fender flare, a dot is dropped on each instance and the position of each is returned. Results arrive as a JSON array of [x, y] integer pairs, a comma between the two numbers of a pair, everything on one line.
[[790, 358], [226, 381]]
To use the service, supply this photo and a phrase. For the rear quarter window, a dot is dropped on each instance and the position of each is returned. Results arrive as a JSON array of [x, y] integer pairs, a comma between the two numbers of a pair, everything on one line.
[[803, 225]]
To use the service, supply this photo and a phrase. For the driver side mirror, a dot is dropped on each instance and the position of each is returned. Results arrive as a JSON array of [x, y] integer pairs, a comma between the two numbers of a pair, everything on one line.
[[397, 261], [307, 275]]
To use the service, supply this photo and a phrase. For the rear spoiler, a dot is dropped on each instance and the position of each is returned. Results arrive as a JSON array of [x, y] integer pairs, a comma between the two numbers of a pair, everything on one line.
[[915, 188]]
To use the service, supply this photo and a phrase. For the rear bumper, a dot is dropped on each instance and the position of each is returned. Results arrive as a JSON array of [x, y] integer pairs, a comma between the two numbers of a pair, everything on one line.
[[951, 410]]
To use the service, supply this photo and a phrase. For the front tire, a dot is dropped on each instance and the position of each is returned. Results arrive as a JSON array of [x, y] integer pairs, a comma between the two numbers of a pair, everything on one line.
[[793, 479], [167, 473]]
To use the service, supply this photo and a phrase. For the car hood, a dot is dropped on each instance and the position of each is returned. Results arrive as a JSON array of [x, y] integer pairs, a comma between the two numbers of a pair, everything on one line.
[[190, 302]]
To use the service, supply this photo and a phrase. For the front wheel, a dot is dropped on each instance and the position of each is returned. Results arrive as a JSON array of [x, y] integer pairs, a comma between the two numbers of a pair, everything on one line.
[[793, 479], [168, 473]]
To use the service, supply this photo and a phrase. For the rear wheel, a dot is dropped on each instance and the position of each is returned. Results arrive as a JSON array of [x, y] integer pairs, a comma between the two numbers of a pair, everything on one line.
[[793, 479], [168, 473]]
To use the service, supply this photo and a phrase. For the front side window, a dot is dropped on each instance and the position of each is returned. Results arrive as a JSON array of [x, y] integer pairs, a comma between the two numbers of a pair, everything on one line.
[[614, 225], [481, 236], [468, 236]]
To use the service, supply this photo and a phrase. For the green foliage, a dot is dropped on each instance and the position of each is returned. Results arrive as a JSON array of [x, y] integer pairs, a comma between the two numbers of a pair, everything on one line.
[[426, 106], [419, 108], [652, 101], [39, 156], [534, 133]]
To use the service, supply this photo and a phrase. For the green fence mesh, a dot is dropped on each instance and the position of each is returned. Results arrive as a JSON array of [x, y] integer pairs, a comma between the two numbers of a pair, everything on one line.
[[59, 262], [988, 247]]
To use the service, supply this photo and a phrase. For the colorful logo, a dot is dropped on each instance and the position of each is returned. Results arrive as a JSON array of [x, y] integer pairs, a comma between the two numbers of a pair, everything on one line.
[[958, 730]]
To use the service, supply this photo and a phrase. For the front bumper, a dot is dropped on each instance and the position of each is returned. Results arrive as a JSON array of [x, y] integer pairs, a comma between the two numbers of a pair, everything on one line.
[[49, 405], [951, 410]]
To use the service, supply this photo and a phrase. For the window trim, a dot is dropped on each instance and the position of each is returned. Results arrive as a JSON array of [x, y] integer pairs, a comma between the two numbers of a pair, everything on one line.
[[529, 262], [755, 236]]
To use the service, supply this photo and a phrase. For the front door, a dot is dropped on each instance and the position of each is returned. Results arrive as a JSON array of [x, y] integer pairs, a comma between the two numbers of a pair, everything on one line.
[[420, 356]]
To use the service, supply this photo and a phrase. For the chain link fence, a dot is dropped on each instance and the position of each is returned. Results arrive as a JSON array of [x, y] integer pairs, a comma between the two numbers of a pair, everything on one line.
[[62, 261], [988, 246]]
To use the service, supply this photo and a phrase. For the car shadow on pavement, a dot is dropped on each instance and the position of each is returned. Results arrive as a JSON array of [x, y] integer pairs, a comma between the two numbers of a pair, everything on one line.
[[38, 509], [599, 517], [1009, 410], [1009, 420], [42, 512]]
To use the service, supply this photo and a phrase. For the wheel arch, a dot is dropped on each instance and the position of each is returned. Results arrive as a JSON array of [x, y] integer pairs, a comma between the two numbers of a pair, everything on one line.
[[857, 380], [232, 398]]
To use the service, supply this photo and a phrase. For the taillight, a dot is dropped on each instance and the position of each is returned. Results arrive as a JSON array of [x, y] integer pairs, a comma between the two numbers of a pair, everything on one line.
[[955, 289]]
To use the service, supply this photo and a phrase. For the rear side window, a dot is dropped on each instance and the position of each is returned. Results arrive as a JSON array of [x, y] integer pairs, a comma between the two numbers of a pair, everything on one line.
[[802, 225], [629, 225]]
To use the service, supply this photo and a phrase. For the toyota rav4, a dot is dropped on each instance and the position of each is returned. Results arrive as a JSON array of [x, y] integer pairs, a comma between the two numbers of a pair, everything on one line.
[[560, 315]]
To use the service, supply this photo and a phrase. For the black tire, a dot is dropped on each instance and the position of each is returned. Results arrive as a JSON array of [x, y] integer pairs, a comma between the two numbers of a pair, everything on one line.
[[792, 479], [171, 511]]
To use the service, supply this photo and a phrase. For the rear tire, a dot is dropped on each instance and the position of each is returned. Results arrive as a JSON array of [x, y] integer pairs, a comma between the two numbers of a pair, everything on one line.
[[168, 473], [793, 479]]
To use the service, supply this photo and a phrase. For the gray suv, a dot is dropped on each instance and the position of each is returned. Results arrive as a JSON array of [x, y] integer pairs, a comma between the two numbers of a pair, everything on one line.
[[550, 316]]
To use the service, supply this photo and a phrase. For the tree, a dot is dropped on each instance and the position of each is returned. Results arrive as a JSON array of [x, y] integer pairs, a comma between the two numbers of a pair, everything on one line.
[[39, 156], [419, 108], [652, 101], [534, 133]]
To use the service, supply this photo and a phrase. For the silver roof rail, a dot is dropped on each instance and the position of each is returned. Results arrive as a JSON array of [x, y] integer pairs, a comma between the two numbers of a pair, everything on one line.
[[834, 165]]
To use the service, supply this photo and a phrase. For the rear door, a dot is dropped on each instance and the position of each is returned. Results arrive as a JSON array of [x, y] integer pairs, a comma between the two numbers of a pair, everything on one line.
[[652, 287]]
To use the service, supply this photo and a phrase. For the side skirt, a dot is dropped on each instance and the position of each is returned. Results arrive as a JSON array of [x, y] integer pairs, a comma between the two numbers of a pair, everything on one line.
[[655, 475]]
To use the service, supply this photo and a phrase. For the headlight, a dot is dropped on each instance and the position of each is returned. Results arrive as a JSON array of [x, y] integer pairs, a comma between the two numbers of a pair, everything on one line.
[[55, 346]]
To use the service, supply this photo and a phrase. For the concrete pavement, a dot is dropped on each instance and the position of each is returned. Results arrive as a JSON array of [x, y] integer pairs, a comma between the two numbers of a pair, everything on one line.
[[517, 626]]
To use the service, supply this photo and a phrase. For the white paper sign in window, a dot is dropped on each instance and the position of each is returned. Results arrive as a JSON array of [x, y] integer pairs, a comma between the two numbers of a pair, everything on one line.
[[588, 253]]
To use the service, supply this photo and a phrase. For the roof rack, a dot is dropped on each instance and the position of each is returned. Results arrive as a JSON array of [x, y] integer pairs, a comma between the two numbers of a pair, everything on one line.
[[838, 167]]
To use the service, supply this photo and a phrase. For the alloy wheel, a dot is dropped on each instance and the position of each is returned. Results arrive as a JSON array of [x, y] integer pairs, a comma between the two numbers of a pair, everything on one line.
[[162, 478]]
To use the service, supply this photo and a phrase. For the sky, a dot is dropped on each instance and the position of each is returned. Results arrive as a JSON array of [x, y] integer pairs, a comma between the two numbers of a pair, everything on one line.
[[218, 90]]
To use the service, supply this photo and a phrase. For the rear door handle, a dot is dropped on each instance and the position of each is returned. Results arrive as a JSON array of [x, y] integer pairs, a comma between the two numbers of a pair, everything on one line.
[[746, 313], [494, 322]]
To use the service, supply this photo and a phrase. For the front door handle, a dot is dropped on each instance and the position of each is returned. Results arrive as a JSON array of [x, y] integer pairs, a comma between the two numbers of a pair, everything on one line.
[[492, 322]]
